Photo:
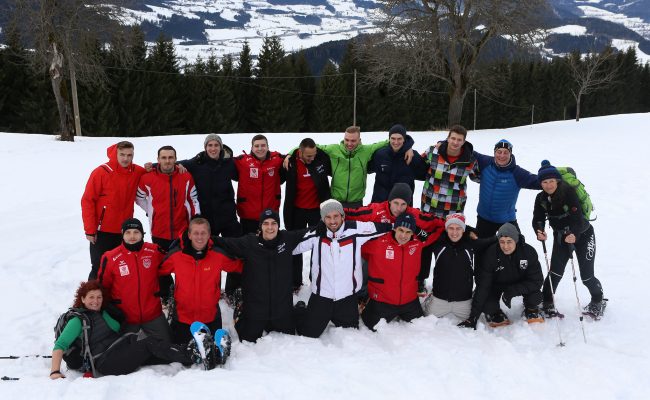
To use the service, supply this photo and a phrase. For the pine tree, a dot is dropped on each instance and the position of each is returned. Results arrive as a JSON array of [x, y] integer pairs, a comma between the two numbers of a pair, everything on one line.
[[246, 94], [306, 85], [330, 108]]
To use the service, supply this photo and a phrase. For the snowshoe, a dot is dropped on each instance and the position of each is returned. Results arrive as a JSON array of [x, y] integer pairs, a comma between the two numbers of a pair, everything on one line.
[[234, 298], [533, 315], [497, 319], [422, 289], [223, 342], [204, 348], [549, 311], [595, 309]]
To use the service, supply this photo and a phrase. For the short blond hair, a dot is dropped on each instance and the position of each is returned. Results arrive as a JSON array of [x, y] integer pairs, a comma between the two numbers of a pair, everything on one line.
[[353, 129]]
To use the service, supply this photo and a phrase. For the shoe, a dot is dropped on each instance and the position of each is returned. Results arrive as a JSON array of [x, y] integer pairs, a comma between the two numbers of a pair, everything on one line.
[[422, 289], [223, 342], [499, 318], [533, 315], [233, 298], [596, 309], [205, 351], [549, 311]]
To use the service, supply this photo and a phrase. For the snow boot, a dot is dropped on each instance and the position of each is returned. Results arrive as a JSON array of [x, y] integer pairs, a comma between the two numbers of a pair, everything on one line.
[[595, 309], [223, 342], [204, 350], [499, 318], [533, 315], [549, 311]]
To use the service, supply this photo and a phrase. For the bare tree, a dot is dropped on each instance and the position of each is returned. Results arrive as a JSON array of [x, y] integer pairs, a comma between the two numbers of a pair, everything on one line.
[[444, 39], [63, 35], [594, 71]]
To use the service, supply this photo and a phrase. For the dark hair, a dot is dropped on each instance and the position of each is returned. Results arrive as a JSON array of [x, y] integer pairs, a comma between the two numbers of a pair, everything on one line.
[[198, 221], [259, 137], [84, 288], [307, 143], [167, 148], [125, 144], [459, 129]]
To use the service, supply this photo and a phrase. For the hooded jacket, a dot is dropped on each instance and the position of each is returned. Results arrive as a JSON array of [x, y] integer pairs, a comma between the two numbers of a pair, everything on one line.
[[259, 184], [198, 279], [350, 169], [562, 209], [110, 192]]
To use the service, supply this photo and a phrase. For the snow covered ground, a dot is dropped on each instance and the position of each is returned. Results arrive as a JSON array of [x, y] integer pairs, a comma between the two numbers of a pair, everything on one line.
[[45, 255]]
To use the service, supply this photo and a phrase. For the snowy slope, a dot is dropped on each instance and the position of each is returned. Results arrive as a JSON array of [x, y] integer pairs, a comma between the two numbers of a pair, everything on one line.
[[45, 255]]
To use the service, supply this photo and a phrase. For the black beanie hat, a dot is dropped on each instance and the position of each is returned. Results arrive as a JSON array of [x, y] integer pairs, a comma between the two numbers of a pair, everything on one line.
[[547, 171], [132, 223], [401, 191], [269, 213], [397, 128], [405, 220]]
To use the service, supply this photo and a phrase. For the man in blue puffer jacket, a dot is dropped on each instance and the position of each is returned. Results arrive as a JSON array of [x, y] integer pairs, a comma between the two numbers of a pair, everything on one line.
[[501, 179], [391, 167]]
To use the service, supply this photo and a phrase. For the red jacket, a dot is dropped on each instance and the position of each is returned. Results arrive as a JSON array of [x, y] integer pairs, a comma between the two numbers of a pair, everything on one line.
[[109, 195], [198, 282], [393, 269], [259, 184], [169, 201], [131, 279], [380, 213]]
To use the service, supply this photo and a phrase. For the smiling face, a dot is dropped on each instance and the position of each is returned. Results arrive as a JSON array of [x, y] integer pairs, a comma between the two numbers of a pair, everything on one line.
[[333, 220], [403, 235], [307, 155], [549, 185], [351, 140], [269, 229], [455, 142], [93, 300], [502, 157], [508, 245], [213, 149], [396, 141], [260, 148], [132, 236], [199, 235], [455, 232]]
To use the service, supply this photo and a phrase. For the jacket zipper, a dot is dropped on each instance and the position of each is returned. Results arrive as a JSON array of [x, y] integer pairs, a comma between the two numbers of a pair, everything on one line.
[[171, 208], [137, 268]]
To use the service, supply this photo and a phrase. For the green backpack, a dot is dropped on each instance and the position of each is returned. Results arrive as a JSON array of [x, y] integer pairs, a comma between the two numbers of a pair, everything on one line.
[[569, 176]]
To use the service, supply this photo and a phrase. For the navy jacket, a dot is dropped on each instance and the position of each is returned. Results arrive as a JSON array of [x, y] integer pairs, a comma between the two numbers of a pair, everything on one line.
[[390, 168], [500, 188]]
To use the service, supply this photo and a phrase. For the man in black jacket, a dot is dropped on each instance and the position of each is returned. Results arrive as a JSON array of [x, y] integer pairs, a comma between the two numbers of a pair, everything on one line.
[[267, 279], [508, 270], [306, 187], [213, 170]]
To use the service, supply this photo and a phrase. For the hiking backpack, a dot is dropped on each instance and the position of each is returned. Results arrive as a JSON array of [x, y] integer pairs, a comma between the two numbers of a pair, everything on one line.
[[78, 355], [569, 176]]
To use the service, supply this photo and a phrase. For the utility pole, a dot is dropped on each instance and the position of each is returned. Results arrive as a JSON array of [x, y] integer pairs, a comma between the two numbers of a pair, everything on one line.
[[354, 107], [532, 116], [474, 108]]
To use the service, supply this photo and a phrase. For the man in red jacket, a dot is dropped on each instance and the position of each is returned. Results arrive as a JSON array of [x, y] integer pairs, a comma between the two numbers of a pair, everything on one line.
[[197, 267], [260, 175], [169, 198], [393, 268], [108, 201], [130, 275]]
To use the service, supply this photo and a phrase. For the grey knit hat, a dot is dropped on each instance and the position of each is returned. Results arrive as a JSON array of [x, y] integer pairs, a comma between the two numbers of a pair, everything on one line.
[[508, 230], [211, 137], [330, 205]]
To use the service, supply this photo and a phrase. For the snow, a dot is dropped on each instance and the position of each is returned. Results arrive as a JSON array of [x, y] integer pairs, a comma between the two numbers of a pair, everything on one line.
[[635, 24], [573, 30], [45, 255], [623, 45]]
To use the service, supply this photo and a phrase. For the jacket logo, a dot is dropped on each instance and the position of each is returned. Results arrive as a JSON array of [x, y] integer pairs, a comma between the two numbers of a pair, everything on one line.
[[254, 172], [281, 248], [523, 264], [271, 171], [320, 169], [412, 250], [390, 253], [124, 270], [146, 262], [117, 256]]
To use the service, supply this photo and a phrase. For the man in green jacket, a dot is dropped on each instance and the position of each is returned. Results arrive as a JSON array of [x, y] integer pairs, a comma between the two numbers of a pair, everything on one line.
[[350, 160]]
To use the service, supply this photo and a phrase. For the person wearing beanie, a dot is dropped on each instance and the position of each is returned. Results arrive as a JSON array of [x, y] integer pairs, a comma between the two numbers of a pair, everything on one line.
[[336, 269], [306, 187], [454, 270], [400, 200], [129, 273], [509, 268], [391, 166], [108, 200], [501, 179], [572, 232], [393, 267]]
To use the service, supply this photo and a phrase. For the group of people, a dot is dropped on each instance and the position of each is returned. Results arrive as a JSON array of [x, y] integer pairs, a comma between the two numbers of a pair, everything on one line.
[[367, 262]]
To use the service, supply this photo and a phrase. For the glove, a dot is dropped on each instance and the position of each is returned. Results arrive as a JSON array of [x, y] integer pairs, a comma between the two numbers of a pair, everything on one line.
[[507, 298], [421, 234], [468, 323], [321, 229]]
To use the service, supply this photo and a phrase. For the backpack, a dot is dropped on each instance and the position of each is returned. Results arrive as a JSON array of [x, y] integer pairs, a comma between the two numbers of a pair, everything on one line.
[[78, 355], [569, 176]]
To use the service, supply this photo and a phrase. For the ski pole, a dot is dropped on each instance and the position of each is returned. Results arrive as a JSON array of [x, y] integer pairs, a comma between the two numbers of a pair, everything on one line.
[[550, 282], [9, 378], [575, 286], [25, 356]]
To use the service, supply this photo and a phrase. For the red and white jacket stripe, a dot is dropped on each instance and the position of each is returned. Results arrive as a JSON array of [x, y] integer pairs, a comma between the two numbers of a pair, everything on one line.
[[169, 200]]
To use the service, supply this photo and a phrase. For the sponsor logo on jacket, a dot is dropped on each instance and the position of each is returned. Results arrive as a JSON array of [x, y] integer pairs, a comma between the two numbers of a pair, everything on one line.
[[523, 264]]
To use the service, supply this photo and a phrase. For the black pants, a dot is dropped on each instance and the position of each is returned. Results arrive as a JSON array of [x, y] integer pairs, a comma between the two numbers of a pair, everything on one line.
[[251, 329], [130, 353], [585, 254], [531, 300], [181, 332], [157, 328], [301, 218], [486, 228], [104, 242], [376, 310], [321, 310], [233, 279], [165, 282]]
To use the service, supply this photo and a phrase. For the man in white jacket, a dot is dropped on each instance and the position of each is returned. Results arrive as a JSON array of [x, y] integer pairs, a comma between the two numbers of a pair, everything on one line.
[[336, 274]]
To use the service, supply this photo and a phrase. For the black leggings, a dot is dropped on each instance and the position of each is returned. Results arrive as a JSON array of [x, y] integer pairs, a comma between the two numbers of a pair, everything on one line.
[[585, 254], [376, 310], [321, 310], [130, 353]]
